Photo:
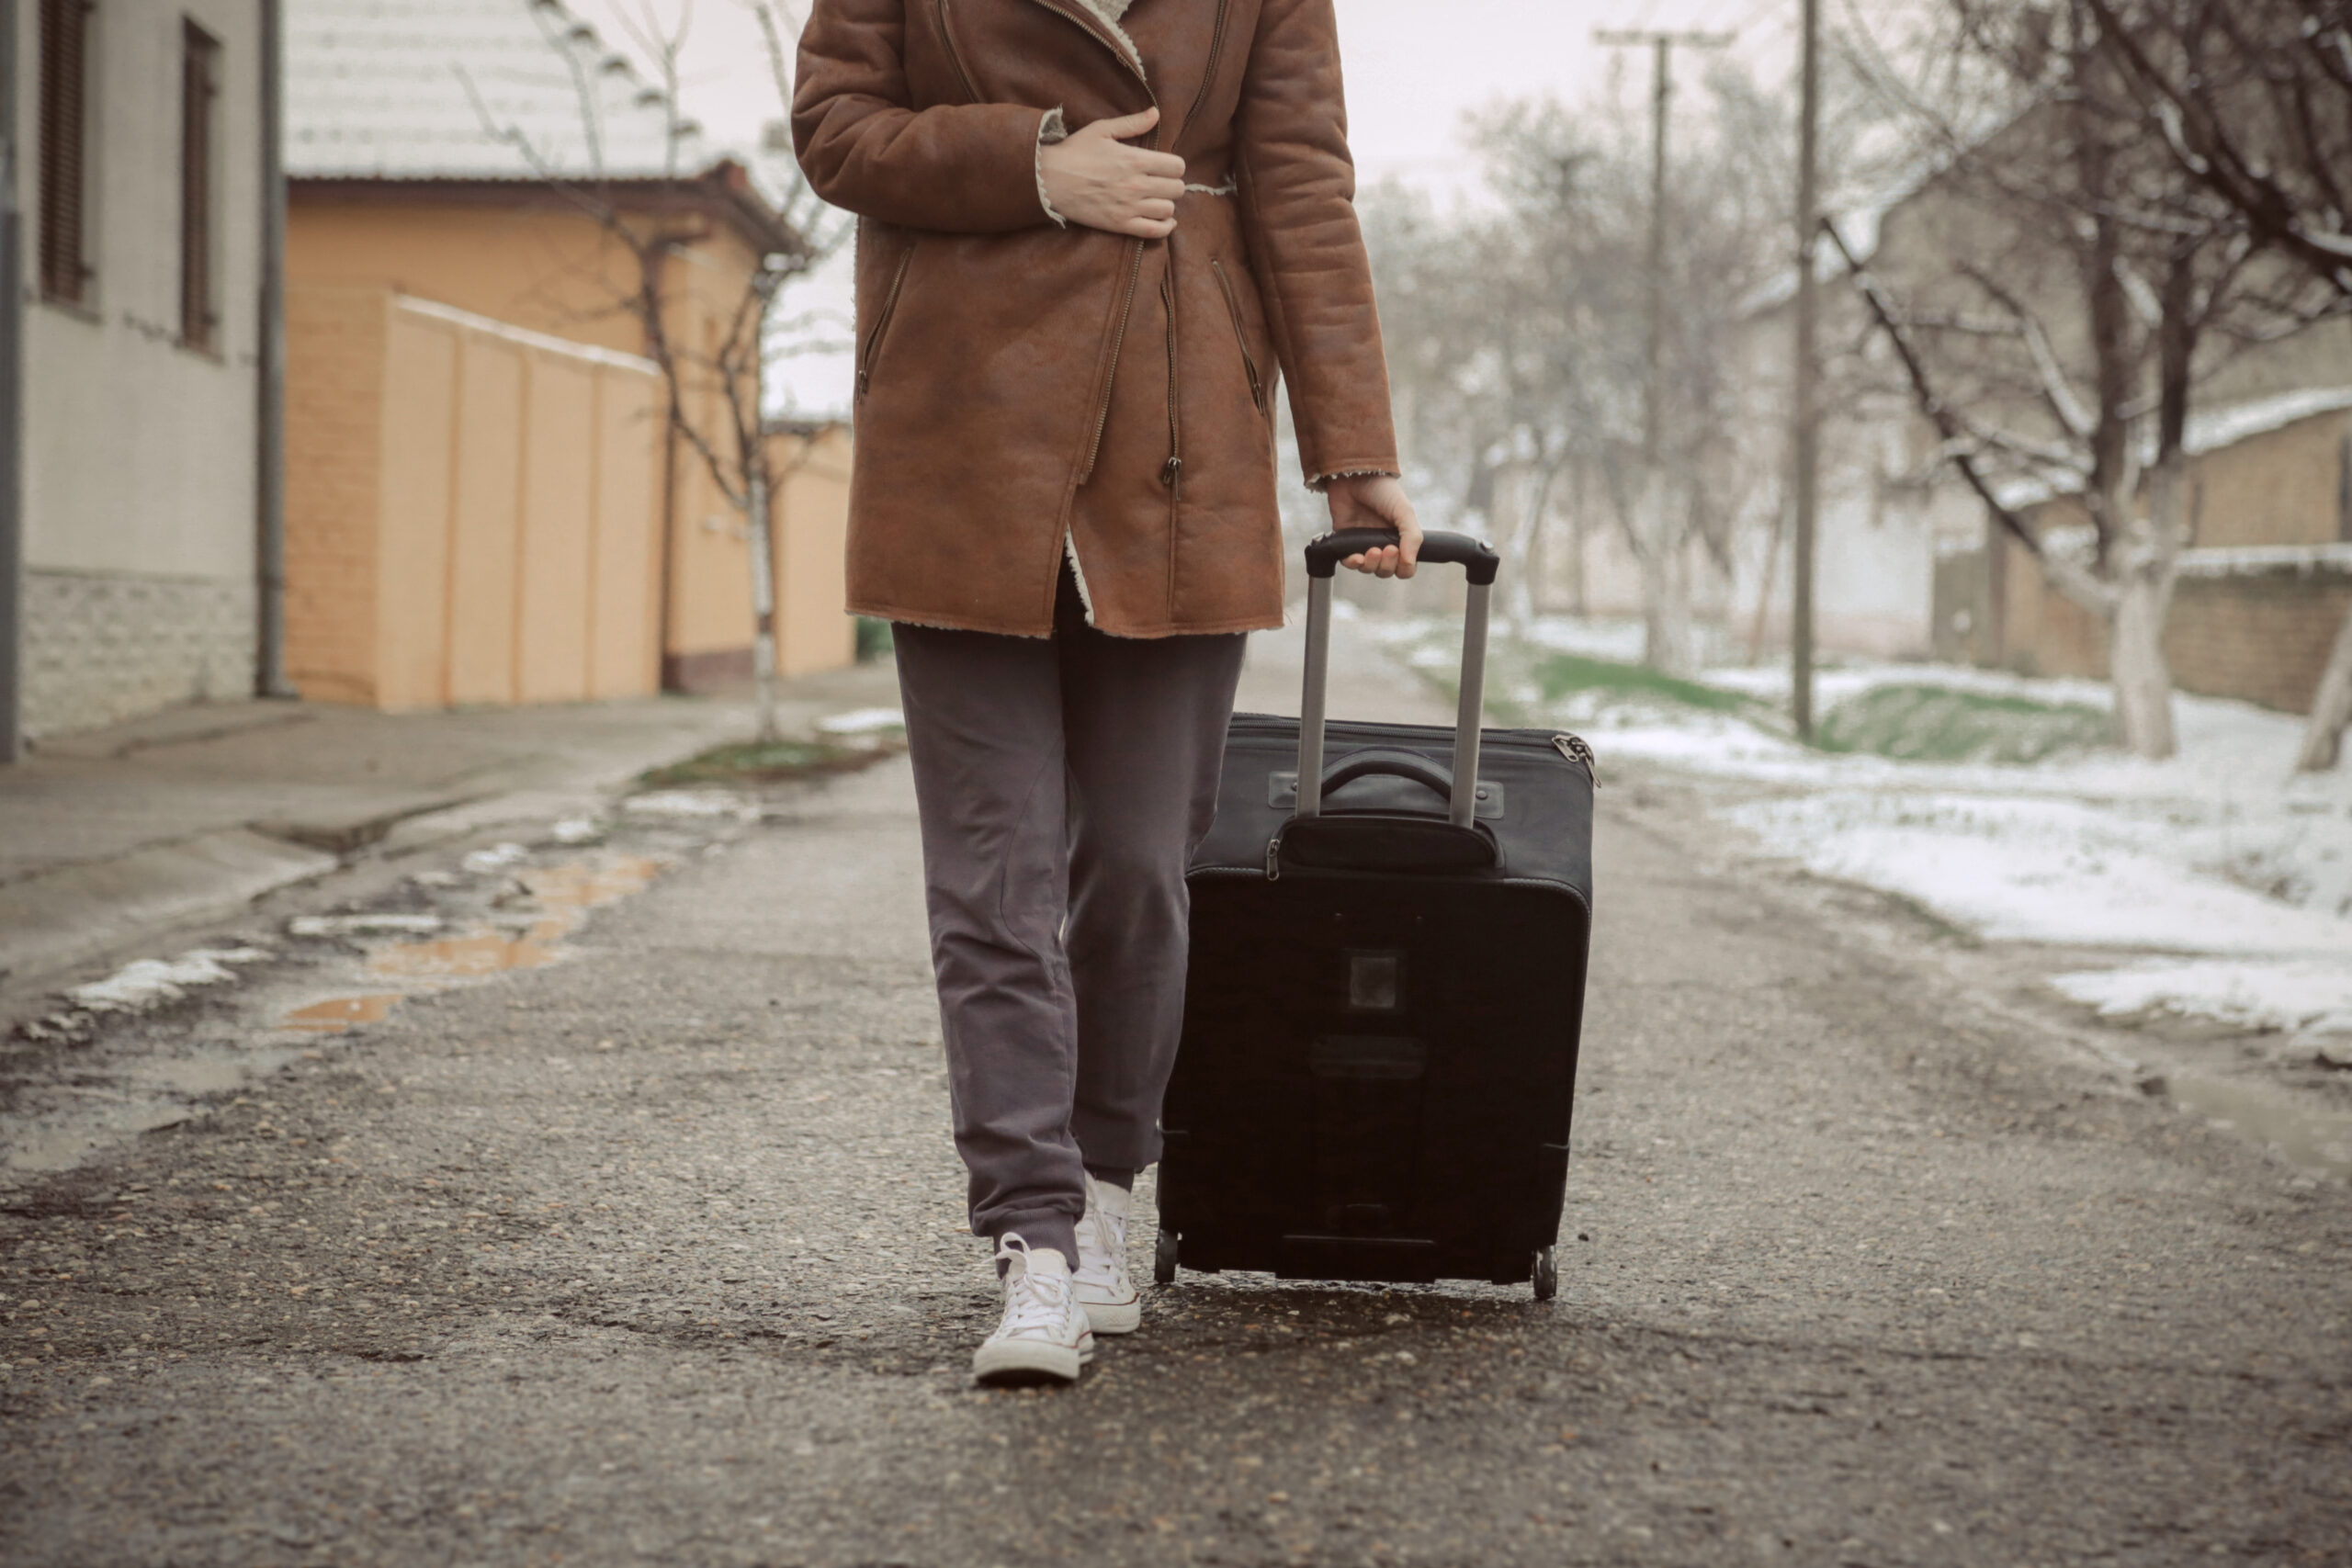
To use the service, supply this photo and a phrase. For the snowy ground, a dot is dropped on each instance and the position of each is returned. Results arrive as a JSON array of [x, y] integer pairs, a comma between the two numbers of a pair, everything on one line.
[[2232, 875]]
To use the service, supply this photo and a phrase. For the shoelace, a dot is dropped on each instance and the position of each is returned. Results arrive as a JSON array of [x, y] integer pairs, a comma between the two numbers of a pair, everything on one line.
[[1103, 1233], [1035, 1303]]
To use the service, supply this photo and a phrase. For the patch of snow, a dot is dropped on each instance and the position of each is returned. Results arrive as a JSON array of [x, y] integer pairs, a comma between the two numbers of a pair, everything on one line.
[[2247, 560], [862, 721], [2210, 429], [2314, 996], [687, 802], [482, 863], [2222, 858], [150, 982], [362, 925], [576, 830]]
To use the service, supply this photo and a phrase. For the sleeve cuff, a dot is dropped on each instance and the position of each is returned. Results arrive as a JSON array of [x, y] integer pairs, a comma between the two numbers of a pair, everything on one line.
[[1321, 482], [1049, 131]]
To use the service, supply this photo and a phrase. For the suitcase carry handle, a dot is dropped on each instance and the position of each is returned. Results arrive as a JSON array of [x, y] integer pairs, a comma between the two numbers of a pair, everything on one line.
[[1480, 563], [1392, 764]]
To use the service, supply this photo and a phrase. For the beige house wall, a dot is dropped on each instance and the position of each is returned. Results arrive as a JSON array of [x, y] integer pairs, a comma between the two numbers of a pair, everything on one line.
[[529, 260], [472, 510], [812, 531], [139, 454]]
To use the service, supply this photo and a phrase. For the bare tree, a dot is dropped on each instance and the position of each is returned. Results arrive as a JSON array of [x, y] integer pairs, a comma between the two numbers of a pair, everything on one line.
[[1517, 342], [2252, 98], [713, 392], [2061, 347]]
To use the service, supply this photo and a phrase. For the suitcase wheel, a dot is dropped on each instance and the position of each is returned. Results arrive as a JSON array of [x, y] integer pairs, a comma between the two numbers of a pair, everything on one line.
[[1163, 1259], [1547, 1273]]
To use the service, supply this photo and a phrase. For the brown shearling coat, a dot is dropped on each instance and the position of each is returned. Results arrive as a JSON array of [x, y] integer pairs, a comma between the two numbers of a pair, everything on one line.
[[1028, 391]]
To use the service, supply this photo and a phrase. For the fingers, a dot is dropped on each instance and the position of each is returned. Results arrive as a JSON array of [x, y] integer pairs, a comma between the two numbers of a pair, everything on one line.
[[1119, 130], [1147, 228], [1158, 165]]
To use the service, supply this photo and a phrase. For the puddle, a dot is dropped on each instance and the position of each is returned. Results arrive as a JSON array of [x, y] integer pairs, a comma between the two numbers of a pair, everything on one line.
[[57, 1125], [481, 950], [341, 1013], [564, 895], [2309, 1137]]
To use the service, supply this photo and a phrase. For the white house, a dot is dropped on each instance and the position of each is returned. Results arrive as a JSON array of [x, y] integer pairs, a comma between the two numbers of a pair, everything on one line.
[[138, 126]]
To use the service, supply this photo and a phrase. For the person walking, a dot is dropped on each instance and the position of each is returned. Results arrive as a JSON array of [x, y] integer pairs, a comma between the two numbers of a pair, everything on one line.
[[1093, 236]]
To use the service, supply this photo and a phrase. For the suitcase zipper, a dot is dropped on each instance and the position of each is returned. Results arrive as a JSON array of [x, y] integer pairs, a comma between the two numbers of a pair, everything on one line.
[[1574, 749], [1274, 859]]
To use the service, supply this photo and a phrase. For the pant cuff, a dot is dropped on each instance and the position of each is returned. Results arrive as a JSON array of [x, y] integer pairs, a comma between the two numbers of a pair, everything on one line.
[[1041, 1228]]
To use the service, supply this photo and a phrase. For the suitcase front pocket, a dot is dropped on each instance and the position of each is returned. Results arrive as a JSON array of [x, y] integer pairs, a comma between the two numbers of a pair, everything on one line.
[[1367, 1130]]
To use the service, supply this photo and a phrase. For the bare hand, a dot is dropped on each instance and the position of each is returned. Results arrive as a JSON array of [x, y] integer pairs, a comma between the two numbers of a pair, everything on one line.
[[1095, 179], [1377, 501]]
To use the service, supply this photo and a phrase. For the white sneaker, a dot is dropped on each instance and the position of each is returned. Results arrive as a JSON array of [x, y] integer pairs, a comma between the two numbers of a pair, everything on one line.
[[1110, 1300], [1045, 1336]]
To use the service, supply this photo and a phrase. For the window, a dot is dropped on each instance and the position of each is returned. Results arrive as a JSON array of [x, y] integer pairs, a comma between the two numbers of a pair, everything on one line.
[[64, 149], [199, 90]]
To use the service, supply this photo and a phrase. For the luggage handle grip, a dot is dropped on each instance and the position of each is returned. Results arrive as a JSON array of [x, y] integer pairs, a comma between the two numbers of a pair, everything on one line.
[[1475, 556], [1481, 563], [1391, 763]]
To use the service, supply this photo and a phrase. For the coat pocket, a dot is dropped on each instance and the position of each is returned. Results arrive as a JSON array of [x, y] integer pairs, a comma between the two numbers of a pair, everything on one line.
[[873, 349], [1241, 335]]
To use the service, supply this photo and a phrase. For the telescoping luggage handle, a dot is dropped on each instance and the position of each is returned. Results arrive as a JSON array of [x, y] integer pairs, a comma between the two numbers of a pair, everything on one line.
[[1481, 563]]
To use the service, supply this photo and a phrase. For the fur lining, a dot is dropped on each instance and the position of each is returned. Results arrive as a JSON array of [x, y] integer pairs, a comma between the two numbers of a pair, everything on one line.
[[1321, 482], [1049, 131], [1228, 189], [1069, 548], [1110, 12]]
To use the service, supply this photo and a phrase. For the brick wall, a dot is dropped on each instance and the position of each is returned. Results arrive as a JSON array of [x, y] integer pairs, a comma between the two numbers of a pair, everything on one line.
[[101, 646], [2261, 637]]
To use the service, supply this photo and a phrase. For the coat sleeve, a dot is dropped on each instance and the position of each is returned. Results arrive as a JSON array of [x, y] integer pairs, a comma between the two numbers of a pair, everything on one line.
[[1297, 192], [967, 168]]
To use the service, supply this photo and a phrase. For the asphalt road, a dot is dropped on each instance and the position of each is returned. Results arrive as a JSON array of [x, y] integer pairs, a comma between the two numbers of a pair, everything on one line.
[[655, 1256]]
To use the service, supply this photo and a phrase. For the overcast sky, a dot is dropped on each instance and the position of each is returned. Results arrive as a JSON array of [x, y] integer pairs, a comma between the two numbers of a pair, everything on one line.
[[1414, 68]]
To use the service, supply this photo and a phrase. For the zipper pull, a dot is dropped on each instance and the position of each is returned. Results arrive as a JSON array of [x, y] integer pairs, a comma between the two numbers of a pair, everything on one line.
[[865, 380], [1274, 858], [1574, 749], [1171, 471]]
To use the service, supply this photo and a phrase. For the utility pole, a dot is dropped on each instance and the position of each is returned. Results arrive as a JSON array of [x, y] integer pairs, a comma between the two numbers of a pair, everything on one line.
[[1662, 46], [12, 403], [1806, 458], [1664, 630]]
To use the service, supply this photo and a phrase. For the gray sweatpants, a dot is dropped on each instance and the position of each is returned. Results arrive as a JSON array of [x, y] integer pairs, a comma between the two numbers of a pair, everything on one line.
[[1063, 785]]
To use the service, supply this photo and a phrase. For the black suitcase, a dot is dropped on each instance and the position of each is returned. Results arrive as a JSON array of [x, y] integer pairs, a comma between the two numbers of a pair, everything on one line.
[[1385, 989]]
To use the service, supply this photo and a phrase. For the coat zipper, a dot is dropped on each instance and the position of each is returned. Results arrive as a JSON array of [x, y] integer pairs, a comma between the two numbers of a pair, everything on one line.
[[1110, 377], [1240, 338], [1172, 472], [1135, 270], [882, 322], [1574, 749], [954, 55], [1208, 75]]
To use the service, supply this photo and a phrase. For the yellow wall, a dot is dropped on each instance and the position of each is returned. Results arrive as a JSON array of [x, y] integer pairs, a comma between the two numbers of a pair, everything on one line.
[[811, 533], [473, 511], [541, 266]]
